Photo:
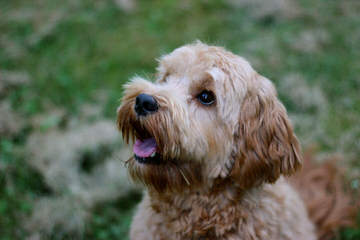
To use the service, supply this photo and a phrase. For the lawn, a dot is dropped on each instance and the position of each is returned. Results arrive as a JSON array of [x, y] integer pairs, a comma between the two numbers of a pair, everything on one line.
[[63, 64]]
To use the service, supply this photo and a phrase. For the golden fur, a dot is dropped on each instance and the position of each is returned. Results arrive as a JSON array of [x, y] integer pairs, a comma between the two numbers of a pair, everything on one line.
[[221, 165]]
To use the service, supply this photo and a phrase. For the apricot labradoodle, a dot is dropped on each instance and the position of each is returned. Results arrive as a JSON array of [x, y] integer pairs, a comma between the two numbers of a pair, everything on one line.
[[211, 143]]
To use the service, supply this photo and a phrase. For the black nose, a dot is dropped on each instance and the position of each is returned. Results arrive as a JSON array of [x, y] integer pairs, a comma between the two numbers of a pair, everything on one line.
[[145, 104]]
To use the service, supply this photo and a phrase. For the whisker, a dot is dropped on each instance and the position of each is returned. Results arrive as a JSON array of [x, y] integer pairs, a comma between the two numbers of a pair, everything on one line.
[[182, 173]]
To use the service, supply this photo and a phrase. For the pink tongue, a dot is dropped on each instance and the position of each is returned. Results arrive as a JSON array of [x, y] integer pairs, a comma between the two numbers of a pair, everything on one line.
[[145, 148]]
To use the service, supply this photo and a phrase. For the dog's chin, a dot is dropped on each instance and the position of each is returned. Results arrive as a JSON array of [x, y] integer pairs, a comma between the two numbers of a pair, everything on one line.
[[170, 175]]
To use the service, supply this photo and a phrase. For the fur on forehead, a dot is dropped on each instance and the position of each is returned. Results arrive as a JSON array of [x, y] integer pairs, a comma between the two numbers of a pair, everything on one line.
[[199, 56], [198, 61]]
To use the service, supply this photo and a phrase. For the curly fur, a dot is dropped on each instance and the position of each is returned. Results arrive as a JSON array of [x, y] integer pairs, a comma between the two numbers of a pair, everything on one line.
[[220, 174]]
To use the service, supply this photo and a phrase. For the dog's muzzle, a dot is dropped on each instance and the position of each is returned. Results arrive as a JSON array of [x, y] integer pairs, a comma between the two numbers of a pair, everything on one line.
[[145, 149], [145, 104]]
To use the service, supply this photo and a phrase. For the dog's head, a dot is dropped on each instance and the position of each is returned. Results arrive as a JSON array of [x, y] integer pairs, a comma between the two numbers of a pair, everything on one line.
[[208, 116]]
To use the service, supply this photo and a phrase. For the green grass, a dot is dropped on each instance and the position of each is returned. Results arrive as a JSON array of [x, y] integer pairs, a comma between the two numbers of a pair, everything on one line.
[[95, 47]]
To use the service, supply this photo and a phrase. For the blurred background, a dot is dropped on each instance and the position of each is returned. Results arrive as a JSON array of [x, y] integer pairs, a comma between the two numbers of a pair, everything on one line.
[[62, 67]]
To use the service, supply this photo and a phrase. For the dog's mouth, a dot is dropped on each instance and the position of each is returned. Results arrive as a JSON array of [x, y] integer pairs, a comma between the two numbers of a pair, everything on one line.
[[145, 151]]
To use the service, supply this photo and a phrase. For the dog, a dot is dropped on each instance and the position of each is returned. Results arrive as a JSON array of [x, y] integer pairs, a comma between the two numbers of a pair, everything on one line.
[[212, 144]]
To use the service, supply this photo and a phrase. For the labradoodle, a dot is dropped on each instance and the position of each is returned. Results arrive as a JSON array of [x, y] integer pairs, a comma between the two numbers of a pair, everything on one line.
[[212, 143]]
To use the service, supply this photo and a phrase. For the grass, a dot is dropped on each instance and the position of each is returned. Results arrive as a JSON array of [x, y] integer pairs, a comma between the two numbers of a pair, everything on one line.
[[75, 51]]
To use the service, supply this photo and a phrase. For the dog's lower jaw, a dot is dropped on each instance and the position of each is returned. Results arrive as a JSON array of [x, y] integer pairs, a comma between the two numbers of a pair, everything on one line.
[[265, 212]]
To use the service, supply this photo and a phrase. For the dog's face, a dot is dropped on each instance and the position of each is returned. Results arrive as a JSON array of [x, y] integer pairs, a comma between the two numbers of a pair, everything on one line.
[[208, 116]]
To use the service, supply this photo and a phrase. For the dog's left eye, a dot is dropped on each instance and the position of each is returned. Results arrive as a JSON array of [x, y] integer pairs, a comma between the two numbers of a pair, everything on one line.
[[206, 97]]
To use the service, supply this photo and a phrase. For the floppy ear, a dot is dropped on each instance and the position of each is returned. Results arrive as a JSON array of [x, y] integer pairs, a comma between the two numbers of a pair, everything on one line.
[[265, 142]]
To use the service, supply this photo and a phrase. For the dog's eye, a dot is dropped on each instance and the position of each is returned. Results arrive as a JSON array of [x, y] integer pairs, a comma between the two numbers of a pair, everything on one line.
[[206, 97]]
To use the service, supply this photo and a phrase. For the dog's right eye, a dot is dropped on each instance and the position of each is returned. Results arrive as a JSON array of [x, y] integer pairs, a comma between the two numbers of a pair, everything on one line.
[[206, 97]]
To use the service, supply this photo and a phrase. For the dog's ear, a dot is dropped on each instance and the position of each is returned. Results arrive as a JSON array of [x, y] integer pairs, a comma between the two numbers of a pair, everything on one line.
[[266, 146]]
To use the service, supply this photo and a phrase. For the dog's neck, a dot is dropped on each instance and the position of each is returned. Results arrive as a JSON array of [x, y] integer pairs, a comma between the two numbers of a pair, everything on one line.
[[215, 187], [205, 207]]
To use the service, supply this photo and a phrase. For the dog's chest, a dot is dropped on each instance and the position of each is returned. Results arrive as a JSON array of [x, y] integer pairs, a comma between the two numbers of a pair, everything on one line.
[[271, 212], [196, 216]]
